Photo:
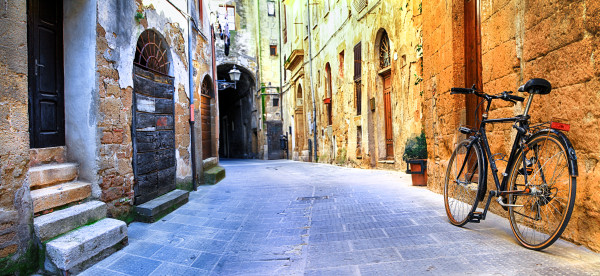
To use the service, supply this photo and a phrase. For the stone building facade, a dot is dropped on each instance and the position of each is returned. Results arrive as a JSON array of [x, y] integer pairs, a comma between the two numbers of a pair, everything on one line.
[[104, 112], [365, 75], [519, 40], [250, 117]]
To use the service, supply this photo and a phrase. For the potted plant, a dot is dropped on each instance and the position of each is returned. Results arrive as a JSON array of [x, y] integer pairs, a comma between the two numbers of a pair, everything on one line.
[[415, 156]]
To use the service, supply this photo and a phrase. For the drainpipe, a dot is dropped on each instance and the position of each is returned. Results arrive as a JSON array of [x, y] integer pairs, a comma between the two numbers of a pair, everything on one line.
[[215, 145], [312, 90], [191, 85], [280, 65]]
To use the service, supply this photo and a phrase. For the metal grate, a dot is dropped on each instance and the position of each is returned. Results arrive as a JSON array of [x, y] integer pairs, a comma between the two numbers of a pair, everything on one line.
[[151, 53], [313, 198], [384, 51], [359, 5]]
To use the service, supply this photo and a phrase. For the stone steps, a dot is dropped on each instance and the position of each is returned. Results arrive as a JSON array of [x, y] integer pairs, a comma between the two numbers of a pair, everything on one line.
[[50, 174], [79, 249], [59, 195], [40, 156], [76, 237], [62, 221]]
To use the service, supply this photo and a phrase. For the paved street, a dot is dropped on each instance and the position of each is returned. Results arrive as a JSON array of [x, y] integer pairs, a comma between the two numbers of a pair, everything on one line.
[[292, 218]]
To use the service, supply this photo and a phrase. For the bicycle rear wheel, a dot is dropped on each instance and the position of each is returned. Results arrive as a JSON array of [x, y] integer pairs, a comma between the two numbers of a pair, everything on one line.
[[462, 182], [548, 204]]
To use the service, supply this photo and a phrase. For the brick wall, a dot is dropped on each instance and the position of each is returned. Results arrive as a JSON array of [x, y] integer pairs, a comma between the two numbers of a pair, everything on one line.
[[555, 40], [15, 200]]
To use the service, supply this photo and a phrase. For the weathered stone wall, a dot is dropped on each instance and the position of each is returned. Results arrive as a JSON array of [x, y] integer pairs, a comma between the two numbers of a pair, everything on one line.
[[16, 207], [116, 40], [555, 40], [336, 31]]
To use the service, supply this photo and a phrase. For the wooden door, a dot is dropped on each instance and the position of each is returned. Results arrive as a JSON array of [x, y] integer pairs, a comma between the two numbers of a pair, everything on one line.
[[299, 130], [45, 54], [206, 119], [153, 134], [473, 66], [387, 107]]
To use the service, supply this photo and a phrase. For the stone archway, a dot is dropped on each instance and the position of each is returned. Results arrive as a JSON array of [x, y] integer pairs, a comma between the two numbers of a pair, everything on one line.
[[153, 127], [239, 121]]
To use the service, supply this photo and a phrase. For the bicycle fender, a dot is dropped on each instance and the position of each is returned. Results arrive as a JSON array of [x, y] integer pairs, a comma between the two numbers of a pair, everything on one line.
[[573, 169], [482, 190]]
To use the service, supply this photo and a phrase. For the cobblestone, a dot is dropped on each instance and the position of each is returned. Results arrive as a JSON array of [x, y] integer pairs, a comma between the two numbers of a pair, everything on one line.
[[272, 218]]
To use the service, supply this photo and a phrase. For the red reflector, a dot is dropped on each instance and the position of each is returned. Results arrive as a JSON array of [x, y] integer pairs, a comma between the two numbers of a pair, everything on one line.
[[560, 126]]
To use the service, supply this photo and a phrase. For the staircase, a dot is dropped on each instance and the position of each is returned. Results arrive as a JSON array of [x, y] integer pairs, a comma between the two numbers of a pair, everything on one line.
[[72, 229]]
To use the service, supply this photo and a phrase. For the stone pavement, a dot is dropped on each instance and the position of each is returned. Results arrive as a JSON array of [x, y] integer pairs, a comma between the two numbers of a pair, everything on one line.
[[292, 218]]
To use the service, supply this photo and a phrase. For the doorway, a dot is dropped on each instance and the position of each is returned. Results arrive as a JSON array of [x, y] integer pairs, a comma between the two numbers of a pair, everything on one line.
[[387, 107], [153, 128], [206, 96], [46, 73], [473, 65]]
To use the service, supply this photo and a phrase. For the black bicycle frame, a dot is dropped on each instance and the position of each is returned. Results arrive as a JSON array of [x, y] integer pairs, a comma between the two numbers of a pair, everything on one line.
[[482, 140]]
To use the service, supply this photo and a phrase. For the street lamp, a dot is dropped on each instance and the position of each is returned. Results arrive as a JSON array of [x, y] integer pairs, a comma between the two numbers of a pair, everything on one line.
[[234, 75]]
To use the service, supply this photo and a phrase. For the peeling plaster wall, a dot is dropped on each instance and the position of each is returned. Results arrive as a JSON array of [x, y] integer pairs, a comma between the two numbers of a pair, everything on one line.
[[118, 33], [81, 90]]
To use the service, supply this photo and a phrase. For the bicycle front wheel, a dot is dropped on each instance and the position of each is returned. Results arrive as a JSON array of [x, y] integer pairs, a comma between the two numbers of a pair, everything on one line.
[[546, 204], [461, 186]]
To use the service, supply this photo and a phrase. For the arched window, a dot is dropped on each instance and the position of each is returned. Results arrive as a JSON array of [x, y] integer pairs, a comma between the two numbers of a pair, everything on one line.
[[299, 92], [206, 88], [151, 52], [384, 50]]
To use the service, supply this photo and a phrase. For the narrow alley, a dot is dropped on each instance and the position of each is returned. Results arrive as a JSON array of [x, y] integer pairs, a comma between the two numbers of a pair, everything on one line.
[[292, 218]]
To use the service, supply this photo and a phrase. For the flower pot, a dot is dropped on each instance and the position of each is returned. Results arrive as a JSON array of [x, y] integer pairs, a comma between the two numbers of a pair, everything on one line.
[[418, 171]]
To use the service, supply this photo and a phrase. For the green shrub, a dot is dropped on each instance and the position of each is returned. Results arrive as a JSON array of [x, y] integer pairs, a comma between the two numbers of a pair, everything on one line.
[[416, 148]]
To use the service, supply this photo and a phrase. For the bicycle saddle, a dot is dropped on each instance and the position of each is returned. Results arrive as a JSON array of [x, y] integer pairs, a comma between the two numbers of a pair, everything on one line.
[[536, 86]]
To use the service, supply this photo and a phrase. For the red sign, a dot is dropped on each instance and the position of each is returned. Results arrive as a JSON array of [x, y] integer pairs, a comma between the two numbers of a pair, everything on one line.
[[161, 122]]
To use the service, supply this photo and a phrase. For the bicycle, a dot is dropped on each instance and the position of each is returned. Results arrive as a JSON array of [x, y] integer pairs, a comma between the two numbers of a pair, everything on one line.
[[540, 173]]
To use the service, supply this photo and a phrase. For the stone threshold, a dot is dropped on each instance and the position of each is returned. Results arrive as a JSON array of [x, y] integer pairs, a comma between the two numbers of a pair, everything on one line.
[[159, 207]]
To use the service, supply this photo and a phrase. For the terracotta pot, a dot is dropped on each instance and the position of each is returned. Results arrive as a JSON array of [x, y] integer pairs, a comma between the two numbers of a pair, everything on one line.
[[419, 175]]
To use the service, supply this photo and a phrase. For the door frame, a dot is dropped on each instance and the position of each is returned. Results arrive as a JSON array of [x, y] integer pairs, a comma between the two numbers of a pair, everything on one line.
[[473, 63]]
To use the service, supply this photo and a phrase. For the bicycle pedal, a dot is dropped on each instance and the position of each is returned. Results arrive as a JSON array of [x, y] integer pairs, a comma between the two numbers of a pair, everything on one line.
[[476, 217]]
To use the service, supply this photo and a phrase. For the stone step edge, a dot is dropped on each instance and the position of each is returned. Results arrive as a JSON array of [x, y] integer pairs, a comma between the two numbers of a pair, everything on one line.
[[54, 224], [214, 175], [52, 174], [39, 156], [81, 248], [157, 208], [50, 197]]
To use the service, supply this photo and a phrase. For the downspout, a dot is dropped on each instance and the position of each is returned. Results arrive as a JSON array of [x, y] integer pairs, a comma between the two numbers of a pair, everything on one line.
[[215, 92], [280, 65], [312, 90], [191, 85]]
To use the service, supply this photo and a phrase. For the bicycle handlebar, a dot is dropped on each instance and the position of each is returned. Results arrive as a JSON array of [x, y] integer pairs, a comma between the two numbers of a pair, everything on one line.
[[503, 96]]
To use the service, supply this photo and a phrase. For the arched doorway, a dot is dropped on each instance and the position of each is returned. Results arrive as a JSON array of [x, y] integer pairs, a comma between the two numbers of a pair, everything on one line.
[[385, 72], [153, 127], [206, 95], [237, 112]]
